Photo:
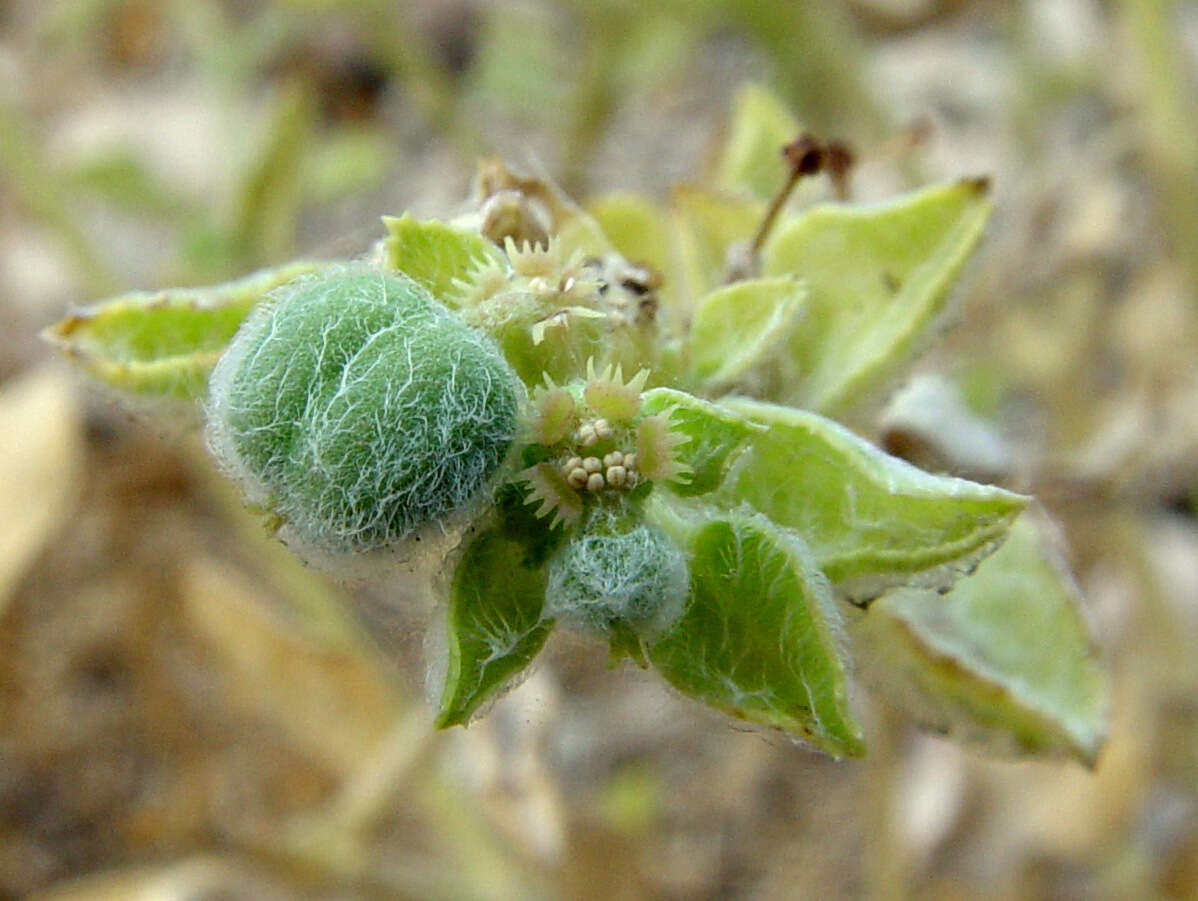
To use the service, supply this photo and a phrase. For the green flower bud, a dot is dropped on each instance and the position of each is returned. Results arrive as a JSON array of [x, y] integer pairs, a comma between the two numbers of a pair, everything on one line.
[[617, 569], [358, 409]]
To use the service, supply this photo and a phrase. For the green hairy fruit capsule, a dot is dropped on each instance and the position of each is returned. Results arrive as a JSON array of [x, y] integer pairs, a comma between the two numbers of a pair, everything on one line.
[[617, 570], [357, 408]]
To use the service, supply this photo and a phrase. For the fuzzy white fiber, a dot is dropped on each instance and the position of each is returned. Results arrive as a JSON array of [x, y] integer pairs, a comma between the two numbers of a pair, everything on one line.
[[612, 570], [359, 409]]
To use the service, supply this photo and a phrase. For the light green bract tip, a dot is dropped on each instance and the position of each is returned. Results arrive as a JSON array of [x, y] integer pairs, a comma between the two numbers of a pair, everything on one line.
[[358, 409]]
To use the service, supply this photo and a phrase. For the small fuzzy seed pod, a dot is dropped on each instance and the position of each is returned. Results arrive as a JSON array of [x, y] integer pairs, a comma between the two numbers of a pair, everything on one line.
[[358, 409], [617, 569]]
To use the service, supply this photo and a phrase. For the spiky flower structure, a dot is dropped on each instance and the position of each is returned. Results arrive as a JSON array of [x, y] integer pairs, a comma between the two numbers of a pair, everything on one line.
[[543, 271], [510, 386], [552, 310], [598, 444]]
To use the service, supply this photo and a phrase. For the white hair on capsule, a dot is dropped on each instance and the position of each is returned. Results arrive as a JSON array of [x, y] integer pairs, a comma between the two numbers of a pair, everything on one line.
[[358, 409], [613, 570]]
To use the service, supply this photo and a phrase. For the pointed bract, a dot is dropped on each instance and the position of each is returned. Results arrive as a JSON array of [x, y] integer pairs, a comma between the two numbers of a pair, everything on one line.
[[759, 638]]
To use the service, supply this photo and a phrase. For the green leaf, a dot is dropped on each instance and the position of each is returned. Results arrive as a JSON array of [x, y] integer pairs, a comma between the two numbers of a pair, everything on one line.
[[518, 519], [757, 640], [122, 179], [435, 254], [579, 232], [706, 224], [164, 343], [878, 275], [1005, 658], [271, 193], [349, 159], [752, 159], [517, 73], [712, 436], [640, 230], [740, 327], [872, 520], [637, 228], [495, 625]]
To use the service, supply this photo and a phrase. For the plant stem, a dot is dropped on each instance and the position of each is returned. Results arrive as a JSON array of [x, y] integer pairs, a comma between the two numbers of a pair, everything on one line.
[[595, 96], [37, 187], [330, 845], [805, 155], [886, 875], [406, 51], [818, 61], [1171, 143], [365, 796]]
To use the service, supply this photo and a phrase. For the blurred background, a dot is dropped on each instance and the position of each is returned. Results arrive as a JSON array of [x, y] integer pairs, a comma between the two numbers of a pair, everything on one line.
[[186, 712]]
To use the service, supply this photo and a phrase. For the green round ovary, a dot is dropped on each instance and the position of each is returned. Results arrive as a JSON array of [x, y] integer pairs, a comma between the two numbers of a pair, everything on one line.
[[358, 409], [617, 570]]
